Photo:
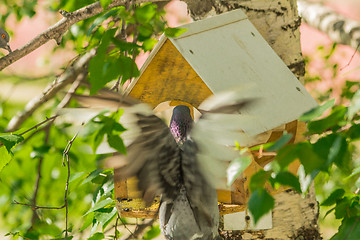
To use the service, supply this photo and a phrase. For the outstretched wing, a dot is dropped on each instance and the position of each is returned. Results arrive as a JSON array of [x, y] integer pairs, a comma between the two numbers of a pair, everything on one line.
[[152, 153], [206, 159]]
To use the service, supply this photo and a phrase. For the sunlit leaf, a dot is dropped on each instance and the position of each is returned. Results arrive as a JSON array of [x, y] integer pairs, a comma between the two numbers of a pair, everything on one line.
[[236, 167], [354, 107], [92, 175], [174, 32], [152, 233], [97, 236], [145, 13], [105, 3], [333, 120], [104, 203], [89, 219], [104, 217], [317, 111], [5, 157], [149, 44], [10, 141], [281, 142]]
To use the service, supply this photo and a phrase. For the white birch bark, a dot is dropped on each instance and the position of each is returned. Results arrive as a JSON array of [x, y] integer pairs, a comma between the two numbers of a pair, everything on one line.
[[339, 28]]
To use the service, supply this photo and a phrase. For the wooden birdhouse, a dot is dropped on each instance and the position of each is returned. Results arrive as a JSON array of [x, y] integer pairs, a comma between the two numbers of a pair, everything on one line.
[[213, 55]]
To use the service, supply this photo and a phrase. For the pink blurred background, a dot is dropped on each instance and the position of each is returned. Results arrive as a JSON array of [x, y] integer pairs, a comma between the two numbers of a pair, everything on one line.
[[44, 62]]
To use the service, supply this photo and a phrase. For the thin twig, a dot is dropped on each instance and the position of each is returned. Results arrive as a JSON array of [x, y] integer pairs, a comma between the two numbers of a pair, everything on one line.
[[66, 100], [38, 178], [124, 224], [39, 124], [35, 207], [351, 57], [140, 229], [116, 225], [66, 156]]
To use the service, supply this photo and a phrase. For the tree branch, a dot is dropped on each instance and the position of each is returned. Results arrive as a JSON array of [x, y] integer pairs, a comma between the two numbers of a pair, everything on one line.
[[51, 90], [57, 30], [339, 28]]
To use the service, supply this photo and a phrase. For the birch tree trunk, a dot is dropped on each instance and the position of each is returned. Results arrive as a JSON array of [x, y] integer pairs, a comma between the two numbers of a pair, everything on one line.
[[340, 29], [294, 217]]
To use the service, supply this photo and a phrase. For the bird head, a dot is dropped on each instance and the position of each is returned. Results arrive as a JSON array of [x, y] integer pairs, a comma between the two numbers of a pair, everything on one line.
[[4, 40], [180, 123]]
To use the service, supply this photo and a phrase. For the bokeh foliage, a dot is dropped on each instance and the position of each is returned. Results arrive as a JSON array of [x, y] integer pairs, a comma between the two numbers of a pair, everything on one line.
[[119, 35]]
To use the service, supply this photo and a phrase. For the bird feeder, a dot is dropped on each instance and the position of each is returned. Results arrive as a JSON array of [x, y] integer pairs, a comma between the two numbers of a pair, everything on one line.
[[213, 55]]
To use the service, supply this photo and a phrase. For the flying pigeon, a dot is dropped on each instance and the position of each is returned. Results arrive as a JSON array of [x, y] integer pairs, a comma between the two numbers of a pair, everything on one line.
[[183, 163], [4, 40]]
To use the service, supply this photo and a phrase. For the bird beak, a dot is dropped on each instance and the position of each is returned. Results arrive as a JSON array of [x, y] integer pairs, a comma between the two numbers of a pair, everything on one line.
[[7, 47]]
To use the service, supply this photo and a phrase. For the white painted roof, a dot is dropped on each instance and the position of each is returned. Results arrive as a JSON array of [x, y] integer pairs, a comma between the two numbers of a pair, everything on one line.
[[228, 52]]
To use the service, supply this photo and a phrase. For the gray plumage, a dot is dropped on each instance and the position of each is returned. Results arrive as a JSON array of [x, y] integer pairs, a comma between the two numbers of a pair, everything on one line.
[[179, 163], [4, 40]]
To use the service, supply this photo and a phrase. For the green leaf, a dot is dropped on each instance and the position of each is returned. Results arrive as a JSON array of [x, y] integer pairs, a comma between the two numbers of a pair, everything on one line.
[[101, 70], [39, 152], [258, 180], [341, 207], [75, 176], [333, 148], [104, 203], [98, 139], [317, 111], [288, 179], [329, 211], [105, 3], [10, 141], [145, 13], [174, 32], [152, 233], [334, 196], [309, 159], [333, 120], [105, 217], [354, 132], [5, 157], [281, 142], [349, 229], [260, 203], [149, 44], [117, 143], [236, 167], [354, 107], [92, 175], [306, 179], [89, 220], [145, 30], [287, 155], [97, 236]]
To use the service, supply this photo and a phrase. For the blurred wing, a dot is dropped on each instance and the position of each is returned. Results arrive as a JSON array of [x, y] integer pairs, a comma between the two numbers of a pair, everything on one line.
[[152, 153], [222, 123]]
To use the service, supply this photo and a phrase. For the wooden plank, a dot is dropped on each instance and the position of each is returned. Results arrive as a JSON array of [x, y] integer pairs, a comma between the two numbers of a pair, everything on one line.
[[169, 77]]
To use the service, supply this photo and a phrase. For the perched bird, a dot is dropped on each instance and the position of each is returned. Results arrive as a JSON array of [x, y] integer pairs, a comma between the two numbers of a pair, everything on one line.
[[184, 163], [4, 40]]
